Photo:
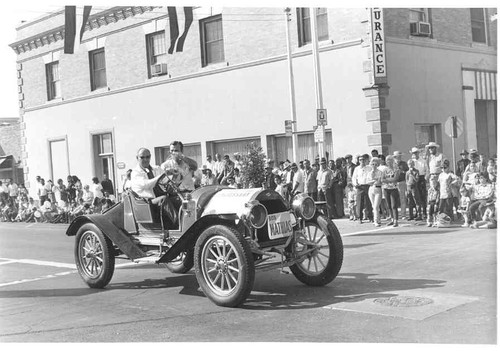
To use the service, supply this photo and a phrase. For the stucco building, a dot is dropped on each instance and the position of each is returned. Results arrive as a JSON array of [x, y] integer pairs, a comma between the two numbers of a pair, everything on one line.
[[390, 79]]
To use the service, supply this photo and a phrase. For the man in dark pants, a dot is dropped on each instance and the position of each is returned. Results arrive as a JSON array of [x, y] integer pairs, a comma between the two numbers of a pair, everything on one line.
[[360, 179]]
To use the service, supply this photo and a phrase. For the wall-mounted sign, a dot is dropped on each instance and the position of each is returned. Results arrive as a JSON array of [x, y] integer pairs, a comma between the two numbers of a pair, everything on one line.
[[378, 43]]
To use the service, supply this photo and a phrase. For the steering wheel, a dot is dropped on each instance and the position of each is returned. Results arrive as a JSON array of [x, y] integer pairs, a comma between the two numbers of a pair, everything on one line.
[[168, 186]]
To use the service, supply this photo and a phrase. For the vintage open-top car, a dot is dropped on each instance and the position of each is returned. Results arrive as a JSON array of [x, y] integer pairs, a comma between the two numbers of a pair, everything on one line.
[[226, 233]]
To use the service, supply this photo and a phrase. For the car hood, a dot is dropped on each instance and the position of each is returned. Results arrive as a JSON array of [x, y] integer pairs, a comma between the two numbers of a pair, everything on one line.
[[231, 201]]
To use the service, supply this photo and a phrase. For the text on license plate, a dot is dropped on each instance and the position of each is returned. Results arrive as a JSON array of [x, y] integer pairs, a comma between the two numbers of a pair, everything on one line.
[[279, 225]]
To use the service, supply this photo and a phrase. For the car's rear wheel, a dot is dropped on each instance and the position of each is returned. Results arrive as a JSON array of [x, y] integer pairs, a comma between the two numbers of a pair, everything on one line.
[[323, 251], [94, 256], [182, 263], [224, 265]]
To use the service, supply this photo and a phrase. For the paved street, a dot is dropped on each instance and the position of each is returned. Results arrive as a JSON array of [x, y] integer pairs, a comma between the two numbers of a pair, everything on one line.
[[410, 284]]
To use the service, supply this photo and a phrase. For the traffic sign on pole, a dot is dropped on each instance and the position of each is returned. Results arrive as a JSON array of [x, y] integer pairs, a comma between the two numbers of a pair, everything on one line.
[[453, 127], [321, 116], [288, 128], [318, 134]]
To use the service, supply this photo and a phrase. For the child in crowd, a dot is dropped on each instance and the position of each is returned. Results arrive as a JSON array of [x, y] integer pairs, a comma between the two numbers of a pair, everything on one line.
[[489, 220], [48, 211], [455, 193], [432, 200], [483, 194], [232, 183], [492, 171], [351, 201], [446, 180], [463, 208], [414, 201]]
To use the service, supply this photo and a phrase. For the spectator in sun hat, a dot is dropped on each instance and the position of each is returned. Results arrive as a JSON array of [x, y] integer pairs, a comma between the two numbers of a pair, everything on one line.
[[462, 163], [435, 159]]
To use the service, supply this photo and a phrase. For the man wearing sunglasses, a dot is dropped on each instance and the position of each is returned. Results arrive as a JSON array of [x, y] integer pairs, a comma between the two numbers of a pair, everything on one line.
[[145, 177]]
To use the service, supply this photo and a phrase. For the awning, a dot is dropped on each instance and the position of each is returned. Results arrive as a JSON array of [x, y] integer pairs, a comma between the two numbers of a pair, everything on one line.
[[4, 163]]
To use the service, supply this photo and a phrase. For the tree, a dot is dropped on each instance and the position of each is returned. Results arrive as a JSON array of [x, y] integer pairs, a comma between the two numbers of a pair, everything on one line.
[[252, 171]]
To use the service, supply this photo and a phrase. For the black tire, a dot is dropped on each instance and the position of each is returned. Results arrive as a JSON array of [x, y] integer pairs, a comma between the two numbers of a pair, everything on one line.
[[94, 256], [321, 266], [224, 265], [182, 263]]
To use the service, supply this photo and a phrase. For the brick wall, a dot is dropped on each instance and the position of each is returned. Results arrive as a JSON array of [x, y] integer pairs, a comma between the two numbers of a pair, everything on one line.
[[249, 34], [449, 25], [10, 140]]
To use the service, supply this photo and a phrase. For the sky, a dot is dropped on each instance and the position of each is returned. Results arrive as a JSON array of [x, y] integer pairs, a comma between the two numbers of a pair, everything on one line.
[[18, 11]]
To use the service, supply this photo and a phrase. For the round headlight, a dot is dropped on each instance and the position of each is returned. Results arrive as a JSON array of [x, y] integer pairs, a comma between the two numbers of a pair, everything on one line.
[[304, 206], [256, 214]]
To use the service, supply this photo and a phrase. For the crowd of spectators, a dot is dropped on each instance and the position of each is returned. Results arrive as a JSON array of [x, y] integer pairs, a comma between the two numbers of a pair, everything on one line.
[[364, 188], [375, 187], [54, 203]]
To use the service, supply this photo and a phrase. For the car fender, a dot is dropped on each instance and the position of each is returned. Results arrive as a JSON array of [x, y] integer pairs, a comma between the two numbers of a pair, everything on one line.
[[188, 239], [118, 236]]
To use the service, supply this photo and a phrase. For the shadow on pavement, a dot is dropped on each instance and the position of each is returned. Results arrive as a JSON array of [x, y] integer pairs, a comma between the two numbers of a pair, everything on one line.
[[187, 281], [347, 287]]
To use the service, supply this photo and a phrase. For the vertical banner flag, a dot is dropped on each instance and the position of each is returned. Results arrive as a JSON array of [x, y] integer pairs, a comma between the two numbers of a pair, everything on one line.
[[74, 18], [174, 28]]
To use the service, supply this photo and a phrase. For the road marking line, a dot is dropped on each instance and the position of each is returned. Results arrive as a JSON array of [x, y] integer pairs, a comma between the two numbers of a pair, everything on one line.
[[7, 262], [375, 230], [47, 263]]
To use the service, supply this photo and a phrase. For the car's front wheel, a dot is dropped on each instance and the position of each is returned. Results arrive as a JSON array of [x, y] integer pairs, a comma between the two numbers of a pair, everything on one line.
[[224, 265], [321, 246], [94, 256]]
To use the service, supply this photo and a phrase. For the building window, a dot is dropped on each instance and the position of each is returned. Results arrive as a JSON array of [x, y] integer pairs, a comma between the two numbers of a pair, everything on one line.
[[53, 82], [304, 24], [478, 25], [212, 40], [97, 69], [419, 15], [425, 133], [157, 53]]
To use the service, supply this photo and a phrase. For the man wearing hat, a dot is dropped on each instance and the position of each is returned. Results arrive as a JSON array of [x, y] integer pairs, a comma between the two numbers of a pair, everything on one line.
[[403, 168], [422, 169], [325, 182], [435, 159], [462, 163], [287, 177]]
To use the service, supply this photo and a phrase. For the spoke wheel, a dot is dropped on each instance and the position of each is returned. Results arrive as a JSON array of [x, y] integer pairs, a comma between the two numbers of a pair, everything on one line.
[[224, 265], [94, 256], [321, 247]]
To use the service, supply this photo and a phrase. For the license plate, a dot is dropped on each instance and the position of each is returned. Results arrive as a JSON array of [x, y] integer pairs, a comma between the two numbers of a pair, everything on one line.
[[280, 225]]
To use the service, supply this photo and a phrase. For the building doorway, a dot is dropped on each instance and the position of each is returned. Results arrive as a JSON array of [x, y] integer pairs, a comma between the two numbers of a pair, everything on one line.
[[104, 157]]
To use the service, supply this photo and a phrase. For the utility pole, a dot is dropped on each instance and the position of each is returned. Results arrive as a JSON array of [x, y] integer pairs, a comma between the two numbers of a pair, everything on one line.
[[317, 76], [292, 87]]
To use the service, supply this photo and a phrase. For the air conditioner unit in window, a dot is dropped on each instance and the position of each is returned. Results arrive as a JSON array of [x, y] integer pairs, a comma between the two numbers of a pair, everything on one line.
[[158, 69], [420, 28]]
